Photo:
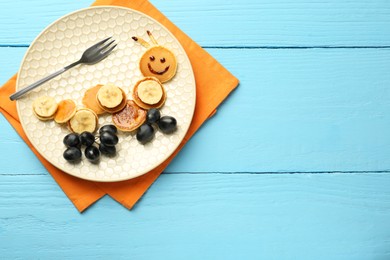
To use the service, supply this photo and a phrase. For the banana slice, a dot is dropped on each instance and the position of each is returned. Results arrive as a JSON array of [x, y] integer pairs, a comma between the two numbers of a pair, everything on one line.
[[45, 107], [109, 96], [84, 120], [150, 92], [66, 110], [114, 109]]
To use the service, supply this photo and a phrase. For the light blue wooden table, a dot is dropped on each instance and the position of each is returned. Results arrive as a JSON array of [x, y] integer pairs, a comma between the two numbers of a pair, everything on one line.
[[295, 165]]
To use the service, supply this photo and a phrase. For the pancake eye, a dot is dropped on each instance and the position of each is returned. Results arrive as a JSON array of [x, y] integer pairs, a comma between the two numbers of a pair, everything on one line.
[[152, 58], [162, 60]]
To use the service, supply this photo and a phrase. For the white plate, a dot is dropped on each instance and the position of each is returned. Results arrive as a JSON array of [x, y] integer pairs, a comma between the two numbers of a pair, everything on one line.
[[62, 43]]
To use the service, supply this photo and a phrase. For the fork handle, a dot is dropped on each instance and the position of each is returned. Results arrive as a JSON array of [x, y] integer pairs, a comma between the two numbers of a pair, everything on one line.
[[23, 91]]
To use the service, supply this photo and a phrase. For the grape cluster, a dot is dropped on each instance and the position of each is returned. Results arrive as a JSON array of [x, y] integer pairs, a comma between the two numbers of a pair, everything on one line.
[[166, 124], [108, 139]]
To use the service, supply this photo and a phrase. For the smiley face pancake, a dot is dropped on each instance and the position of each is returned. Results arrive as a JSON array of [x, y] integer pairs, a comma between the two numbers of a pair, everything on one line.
[[158, 62]]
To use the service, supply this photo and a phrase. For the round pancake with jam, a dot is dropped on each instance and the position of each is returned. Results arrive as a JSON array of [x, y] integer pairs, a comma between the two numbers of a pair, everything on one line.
[[129, 118]]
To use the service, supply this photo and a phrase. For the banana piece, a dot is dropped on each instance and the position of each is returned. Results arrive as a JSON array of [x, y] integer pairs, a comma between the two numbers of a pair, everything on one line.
[[150, 92], [109, 96], [45, 107], [84, 120]]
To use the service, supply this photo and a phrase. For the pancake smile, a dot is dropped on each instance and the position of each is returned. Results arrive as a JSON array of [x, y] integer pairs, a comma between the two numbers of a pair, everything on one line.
[[157, 72]]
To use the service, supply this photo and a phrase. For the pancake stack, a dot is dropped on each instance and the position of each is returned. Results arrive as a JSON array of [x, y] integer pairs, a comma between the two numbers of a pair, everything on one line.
[[149, 93], [111, 98], [44, 108]]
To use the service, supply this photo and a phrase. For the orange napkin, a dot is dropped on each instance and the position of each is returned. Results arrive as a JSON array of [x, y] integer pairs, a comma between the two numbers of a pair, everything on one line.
[[213, 85]]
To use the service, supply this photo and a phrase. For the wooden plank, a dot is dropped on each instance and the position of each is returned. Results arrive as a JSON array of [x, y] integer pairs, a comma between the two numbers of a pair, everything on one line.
[[232, 23], [21, 22], [11, 145], [298, 110], [295, 110], [198, 216]]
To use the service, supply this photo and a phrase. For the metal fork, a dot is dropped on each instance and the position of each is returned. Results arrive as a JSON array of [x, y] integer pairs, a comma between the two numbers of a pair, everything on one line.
[[92, 55]]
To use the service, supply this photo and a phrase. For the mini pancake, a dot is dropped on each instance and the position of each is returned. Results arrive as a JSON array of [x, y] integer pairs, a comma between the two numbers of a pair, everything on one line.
[[44, 108], [90, 101], [130, 118], [83, 120], [66, 110], [144, 105], [114, 109]]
